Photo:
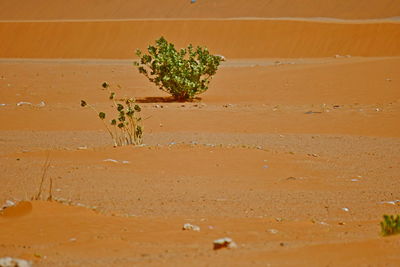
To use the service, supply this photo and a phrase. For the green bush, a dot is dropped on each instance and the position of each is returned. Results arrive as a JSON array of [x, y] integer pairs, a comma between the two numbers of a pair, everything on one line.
[[183, 74], [126, 128], [390, 225]]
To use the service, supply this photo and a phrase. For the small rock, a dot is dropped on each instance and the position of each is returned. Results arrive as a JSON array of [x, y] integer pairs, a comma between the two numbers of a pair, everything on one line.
[[345, 209], [225, 242], [8, 204], [11, 262], [188, 226], [111, 160], [24, 103], [273, 231], [41, 104]]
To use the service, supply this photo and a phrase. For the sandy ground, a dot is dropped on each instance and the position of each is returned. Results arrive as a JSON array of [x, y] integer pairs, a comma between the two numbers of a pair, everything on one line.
[[293, 152]]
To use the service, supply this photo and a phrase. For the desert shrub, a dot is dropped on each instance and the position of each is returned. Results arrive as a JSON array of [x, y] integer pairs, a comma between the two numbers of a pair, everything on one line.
[[390, 225], [126, 128], [183, 74]]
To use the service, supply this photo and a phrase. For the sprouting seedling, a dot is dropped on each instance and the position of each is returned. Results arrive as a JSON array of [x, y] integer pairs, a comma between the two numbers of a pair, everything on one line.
[[390, 225], [126, 128]]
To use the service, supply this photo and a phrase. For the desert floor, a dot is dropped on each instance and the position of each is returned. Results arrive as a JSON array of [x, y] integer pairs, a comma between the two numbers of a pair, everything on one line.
[[293, 152]]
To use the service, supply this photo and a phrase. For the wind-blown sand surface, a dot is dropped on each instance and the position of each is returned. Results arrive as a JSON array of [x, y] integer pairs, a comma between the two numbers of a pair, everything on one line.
[[104, 9], [293, 152], [231, 38]]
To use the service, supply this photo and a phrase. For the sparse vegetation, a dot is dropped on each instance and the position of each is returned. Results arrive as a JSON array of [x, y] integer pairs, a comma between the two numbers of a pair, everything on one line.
[[183, 74], [126, 128], [390, 225], [45, 168]]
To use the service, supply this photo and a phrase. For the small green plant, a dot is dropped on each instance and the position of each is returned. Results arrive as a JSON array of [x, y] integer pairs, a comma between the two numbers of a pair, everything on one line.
[[126, 128], [183, 74], [390, 225]]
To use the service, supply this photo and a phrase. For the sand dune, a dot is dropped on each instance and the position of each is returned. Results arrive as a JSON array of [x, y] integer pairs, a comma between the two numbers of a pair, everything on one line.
[[232, 38], [104, 9]]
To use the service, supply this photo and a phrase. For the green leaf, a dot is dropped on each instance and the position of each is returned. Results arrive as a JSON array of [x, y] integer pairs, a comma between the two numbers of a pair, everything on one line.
[[183, 73]]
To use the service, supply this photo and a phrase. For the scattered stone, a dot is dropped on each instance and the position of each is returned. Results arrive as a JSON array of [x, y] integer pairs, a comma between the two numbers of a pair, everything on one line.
[[388, 80], [394, 202], [12, 262], [345, 209], [221, 56], [8, 204], [111, 160], [273, 231], [188, 226], [225, 242], [24, 103], [82, 147], [41, 104], [3, 105]]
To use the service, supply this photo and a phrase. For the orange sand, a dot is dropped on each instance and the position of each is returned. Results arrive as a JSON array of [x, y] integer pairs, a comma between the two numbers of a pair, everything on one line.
[[105, 9], [231, 38], [293, 153]]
